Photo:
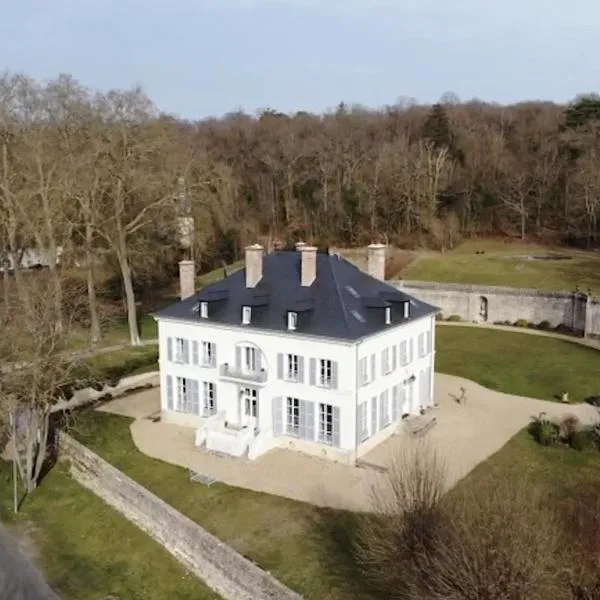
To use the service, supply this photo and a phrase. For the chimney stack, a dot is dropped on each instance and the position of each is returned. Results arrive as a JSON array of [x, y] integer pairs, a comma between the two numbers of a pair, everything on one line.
[[376, 261], [187, 278], [254, 265], [299, 245], [308, 266]]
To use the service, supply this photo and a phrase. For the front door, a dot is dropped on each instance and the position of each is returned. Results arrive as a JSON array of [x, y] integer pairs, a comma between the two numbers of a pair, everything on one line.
[[249, 399]]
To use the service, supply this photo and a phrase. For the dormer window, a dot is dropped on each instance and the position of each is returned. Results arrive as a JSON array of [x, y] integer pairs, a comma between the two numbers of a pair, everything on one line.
[[292, 321], [204, 310], [246, 313], [388, 315], [406, 310]]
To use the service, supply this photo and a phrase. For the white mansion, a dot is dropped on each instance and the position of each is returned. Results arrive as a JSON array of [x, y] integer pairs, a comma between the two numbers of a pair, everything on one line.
[[301, 349]]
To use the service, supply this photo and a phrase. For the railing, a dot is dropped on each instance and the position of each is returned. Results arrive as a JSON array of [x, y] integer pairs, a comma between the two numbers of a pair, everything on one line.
[[233, 372]]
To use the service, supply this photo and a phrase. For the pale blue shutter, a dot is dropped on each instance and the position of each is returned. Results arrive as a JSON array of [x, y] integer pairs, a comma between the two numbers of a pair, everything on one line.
[[169, 392], [310, 421], [359, 420], [372, 367], [170, 349], [240, 409], [194, 352], [302, 419], [383, 353], [411, 354], [238, 357], [336, 426], [312, 371], [257, 409], [213, 354], [394, 357], [258, 360], [395, 403], [428, 341], [301, 369], [186, 351], [382, 410], [195, 408], [402, 400], [279, 365], [373, 415], [334, 375], [277, 416], [213, 386]]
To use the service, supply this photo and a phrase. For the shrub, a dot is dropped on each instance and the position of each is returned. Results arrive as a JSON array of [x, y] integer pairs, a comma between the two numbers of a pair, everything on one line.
[[583, 439], [454, 318], [543, 431], [439, 316], [568, 426], [521, 323], [544, 325]]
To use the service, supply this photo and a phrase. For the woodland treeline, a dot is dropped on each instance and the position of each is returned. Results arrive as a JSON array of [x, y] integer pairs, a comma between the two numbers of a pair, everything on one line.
[[104, 178]]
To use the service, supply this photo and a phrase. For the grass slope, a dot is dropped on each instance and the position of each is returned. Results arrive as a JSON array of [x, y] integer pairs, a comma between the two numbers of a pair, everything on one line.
[[496, 267], [304, 546], [518, 363], [88, 550]]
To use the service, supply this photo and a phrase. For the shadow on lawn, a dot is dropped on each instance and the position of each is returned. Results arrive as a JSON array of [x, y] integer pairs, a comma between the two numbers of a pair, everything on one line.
[[336, 533]]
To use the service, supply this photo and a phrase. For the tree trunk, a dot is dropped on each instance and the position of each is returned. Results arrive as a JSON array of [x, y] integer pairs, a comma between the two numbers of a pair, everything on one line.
[[96, 333], [134, 333], [6, 287]]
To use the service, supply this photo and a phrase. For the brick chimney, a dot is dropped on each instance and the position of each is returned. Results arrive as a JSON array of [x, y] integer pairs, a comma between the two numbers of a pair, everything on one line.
[[187, 278], [308, 264], [376, 261], [254, 265]]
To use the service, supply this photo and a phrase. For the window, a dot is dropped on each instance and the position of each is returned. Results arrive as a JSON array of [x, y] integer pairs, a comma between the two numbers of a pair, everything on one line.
[[422, 344], [204, 310], [250, 396], [324, 372], [209, 397], [180, 350], [208, 354], [292, 367], [293, 416], [388, 315], [249, 359], [246, 313], [364, 370], [403, 353], [363, 421], [386, 366], [186, 400], [326, 423], [292, 320]]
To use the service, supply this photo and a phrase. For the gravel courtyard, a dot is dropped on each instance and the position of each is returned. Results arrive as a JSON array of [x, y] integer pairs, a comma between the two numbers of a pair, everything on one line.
[[465, 434]]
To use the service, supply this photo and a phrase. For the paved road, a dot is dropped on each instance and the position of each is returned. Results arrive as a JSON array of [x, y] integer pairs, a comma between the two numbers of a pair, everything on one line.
[[19, 579]]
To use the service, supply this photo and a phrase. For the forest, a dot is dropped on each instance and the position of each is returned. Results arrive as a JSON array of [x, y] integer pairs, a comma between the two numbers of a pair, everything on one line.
[[101, 178]]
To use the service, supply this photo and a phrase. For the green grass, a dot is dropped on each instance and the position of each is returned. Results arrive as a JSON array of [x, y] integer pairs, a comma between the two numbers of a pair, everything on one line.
[[113, 366], [304, 546], [87, 550], [558, 470], [495, 267], [518, 363], [217, 274]]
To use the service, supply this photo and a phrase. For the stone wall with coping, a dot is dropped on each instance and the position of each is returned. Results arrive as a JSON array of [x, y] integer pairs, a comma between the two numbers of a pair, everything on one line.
[[482, 303], [222, 568]]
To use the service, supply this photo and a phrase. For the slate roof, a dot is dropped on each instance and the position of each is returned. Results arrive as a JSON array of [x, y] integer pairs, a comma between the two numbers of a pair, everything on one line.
[[343, 302]]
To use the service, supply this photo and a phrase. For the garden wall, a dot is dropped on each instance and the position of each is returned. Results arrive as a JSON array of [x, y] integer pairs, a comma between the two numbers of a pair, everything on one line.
[[477, 303], [222, 568]]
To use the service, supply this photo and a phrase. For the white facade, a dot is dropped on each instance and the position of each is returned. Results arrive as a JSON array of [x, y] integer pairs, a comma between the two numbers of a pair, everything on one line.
[[246, 391]]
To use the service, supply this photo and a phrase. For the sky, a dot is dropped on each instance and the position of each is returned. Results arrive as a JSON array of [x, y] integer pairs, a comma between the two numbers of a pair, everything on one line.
[[201, 58]]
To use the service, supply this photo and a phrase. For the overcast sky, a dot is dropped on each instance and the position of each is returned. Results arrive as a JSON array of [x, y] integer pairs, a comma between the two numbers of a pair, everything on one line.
[[197, 58]]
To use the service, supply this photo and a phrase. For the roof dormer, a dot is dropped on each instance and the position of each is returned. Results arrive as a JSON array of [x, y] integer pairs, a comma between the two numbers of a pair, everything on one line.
[[388, 315], [292, 321], [246, 315], [204, 310]]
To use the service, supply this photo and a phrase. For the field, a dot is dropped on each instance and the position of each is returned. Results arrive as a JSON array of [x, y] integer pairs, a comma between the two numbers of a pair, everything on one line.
[[87, 550], [518, 363], [501, 265]]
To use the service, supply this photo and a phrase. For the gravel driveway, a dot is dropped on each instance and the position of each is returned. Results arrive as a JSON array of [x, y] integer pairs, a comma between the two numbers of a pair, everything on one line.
[[465, 435]]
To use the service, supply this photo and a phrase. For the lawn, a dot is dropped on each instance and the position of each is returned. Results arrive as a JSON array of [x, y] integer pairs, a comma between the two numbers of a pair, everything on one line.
[[304, 546], [518, 363], [87, 550], [498, 266]]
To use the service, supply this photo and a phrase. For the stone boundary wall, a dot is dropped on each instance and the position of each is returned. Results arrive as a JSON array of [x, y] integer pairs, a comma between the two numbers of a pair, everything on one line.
[[221, 567], [575, 311]]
